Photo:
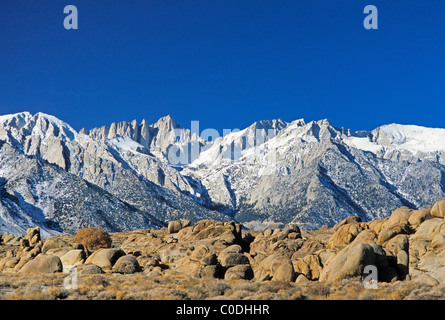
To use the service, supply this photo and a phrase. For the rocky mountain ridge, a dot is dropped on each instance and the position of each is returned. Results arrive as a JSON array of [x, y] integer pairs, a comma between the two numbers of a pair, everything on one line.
[[310, 174]]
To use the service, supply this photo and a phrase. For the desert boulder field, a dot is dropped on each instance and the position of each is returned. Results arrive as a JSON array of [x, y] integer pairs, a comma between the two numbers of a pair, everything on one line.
[[398, 257]]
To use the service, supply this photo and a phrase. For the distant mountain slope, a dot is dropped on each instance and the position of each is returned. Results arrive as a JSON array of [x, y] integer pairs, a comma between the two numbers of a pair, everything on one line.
[[322, 174], [108, 182], [35, 193], [121, 177]]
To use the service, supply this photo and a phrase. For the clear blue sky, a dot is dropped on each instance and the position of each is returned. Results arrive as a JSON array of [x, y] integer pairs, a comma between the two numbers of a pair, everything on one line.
[[225, 63]]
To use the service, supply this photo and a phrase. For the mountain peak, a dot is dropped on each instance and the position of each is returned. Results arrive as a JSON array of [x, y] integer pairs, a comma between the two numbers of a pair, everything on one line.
[[410, 137], [40, 124], [167, 123], [322, 173], [276, 124], [10, 118]]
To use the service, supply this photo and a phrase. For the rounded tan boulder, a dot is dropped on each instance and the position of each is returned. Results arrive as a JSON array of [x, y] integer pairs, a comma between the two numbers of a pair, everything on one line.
[[350, 262], [438, 209], [200, 251], [232, 259], [127, 264], [73, 257], [105, 258], [428, 229], [275, 267], [417, 217], [301, 279], [284, 273], [310, 266], [345, 234], [348, 220], [176, 225], [232, 256], [147, 261], [9, 262], [242, 271], [398, 217], [85, 269], [43, 263]]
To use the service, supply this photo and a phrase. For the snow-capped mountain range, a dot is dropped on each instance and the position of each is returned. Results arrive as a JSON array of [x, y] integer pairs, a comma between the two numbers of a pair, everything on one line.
[[122, 177]]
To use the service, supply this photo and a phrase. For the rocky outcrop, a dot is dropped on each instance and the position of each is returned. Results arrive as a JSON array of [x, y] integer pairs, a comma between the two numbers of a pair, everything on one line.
[[409, 245], [43, 263], [126, 264], [275, 267], [427, 251], [105, 258], [47, 167], [345, 234], [310, 174], [310, 266], [157, 137], [239, 272], [438, 209], [176, 225], [73, 257], [350, 262]]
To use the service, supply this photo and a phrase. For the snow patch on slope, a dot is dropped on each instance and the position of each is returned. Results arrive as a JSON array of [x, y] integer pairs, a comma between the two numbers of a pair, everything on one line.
[[412, 138]]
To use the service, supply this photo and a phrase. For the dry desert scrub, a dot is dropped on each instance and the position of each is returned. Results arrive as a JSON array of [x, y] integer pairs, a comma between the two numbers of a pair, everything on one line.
[[93, 238], [174, 286]]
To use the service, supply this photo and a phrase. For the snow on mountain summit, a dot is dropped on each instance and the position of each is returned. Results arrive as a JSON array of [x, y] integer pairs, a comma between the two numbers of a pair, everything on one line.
[[24, 124], [397, 138], [8, 118], [290, 172], [410, 137]]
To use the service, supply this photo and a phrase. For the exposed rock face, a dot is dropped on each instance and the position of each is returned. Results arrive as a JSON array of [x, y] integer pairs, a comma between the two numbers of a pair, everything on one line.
[[438, 209], [232, 256], [350, 262], [176, 225], [275, 267], [43, 264], [86, 269], [310, 266], [73, 257], [239, 272], [346, 234], [126, 264], [156, 138], [426, 250], [224, 233], [105, 258], [64, 181], [322, 174], [312, 174]]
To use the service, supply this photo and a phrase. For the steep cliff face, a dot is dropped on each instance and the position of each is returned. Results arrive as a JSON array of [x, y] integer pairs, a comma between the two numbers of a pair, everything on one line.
[[156, 138], [272, 171], [315, 174], [145, 186]]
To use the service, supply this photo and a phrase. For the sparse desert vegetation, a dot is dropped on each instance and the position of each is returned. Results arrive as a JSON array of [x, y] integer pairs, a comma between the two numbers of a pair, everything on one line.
[[110, 286], [221, 260]]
